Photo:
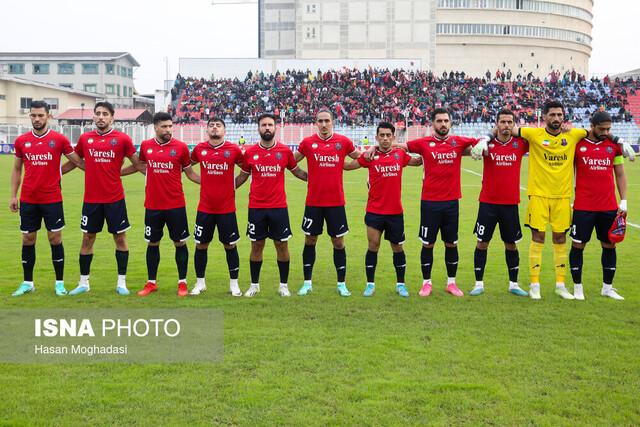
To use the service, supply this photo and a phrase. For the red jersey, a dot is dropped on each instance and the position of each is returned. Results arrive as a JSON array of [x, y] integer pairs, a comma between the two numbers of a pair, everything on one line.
[[217, 186], [163, 182], [103, 156], [501, 172], [266, 166], [442, 160], [41, 159], [325, 159], [595, 185], [385, 181]]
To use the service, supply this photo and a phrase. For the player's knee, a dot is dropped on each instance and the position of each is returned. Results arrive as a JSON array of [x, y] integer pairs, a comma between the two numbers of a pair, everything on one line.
[[608, 245], [580, 245], [29, 239], [121, 241], [179, 244], [154, 243], [282, 250], [374, 245], [483, 246], [429, 246], [450, 245], [396, 247], [559, 238], [88, 239], [205, 246], [55, 238], [310, 240], [338, 242], [510, 246], [537, 236]]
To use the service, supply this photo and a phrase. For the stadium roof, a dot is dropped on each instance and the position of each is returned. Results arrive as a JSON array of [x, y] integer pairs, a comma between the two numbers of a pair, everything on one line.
[[69, 56], [49, 86], [122, 114]]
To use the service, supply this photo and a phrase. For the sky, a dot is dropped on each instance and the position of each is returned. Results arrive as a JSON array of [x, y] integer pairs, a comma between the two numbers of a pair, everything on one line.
[[157, 32]]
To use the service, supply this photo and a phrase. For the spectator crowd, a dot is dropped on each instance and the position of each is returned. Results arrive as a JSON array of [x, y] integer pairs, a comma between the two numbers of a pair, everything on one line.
[[365, 96]]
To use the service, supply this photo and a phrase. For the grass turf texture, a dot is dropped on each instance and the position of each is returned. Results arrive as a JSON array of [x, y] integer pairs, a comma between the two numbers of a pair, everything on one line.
[[317, 360]]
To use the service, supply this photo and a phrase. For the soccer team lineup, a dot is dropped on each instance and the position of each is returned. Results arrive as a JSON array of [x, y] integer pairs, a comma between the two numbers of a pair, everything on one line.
[[576, 185]]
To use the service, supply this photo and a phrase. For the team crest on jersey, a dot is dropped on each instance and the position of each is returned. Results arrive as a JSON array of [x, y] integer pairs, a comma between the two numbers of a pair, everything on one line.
[[338, 146], [113, 142], [609, 150], [90, 141], [279, 156], [453, 143], [314, 145], [227, 154], [149, 151], [515, 144], [564, 142], [172, 152], [52, 144], [27, 144], [583, 149], [256, 157], [396, 156]]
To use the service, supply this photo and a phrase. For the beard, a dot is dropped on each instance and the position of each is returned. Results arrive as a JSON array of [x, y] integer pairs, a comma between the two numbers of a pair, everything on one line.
[[267, 136], [442, 131], [555, 125], [39, 127]]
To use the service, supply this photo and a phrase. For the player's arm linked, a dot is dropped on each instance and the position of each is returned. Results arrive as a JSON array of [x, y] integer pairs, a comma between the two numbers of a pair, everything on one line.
[[352, 165], [191, 174], [300, 173], [241, 178]]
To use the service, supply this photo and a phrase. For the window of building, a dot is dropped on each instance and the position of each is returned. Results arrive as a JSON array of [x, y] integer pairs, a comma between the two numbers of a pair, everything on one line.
[[130, 91], [89, 68], [53, 103], [310, 33], [109, 89], [40, 68], [65, 68], [109, 68], [91, 87], [312, 8], [16, 68], [118, 90], [3, 97], [130, 72], [25, 103]]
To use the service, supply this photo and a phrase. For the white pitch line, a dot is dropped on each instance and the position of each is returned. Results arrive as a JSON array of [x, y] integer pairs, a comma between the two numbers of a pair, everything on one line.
[[631, 224]]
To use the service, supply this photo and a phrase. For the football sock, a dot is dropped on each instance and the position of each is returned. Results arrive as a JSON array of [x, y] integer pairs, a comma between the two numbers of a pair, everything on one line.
[[122, 259], [451, 259], [233, 262], [608, 260], [560, 259], [426, 262], [370, 262], [513, 264], [479, 263], [283, 269], [28, 261], [340, 262], [254, 267], [85, 264], [153, 260], [200, 262], [400, 264], [57, 257], [308, 259], [535, 261], [182, 261], [576, 262]]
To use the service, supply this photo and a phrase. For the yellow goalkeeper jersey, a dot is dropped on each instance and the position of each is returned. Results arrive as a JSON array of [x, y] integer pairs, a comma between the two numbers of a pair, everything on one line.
[[551, 161]]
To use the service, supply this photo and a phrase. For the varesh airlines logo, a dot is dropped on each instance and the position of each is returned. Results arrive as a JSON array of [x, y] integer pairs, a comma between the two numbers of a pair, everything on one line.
[[596, 162], [160, 165], [38, 157], [387, 169], [444, 156], [109, 154], [215, 166]]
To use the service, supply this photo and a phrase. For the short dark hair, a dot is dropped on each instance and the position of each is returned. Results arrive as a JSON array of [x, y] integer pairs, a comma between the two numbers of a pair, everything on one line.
[[216, 120], [105, 104], [505, 112], [386, 125], [267, 116], [39, 104], [600, 117], [552, 104], [161, 116], [325, 110], [437, 111]]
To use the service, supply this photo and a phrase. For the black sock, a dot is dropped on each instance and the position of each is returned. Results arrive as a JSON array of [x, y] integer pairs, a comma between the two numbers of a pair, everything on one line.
[[340, 261], [122, 258], [575, 263], [400, 264], [153, 260], [608, 260], [182, 261], [200, 262], [513, 264], [370, 262], [233, 262], [283, 268], [308, 259], [28, 261], [57, 257], [479, 263], [254, 267], [85, 264], [426, 262], [451, 259]]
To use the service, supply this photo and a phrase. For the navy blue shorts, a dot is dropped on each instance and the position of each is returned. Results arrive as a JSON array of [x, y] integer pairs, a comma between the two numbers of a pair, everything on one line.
[[175, 219], [271, 223], [585, 221], [32, 214], [315, 216], [206, 224], [490, 215], [439, 216], [391, 225], [94, 215]]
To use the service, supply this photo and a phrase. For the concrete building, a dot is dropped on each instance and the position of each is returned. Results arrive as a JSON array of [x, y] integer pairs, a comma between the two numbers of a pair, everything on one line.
[[471, 35], [16, 95], [109, 74]]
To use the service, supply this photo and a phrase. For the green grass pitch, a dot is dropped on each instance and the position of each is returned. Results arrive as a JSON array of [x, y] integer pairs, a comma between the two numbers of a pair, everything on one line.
[[319, 360]]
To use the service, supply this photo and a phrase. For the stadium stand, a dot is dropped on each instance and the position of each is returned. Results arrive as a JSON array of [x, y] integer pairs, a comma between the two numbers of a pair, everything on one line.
[[363, 97]]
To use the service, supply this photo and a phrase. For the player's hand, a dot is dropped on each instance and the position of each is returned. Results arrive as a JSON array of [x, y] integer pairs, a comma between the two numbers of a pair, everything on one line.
[[627, 149], [622, 207], [481, 148], [566, 127], [14, 205], [369, 154]]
